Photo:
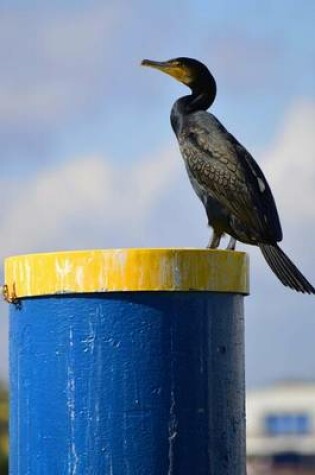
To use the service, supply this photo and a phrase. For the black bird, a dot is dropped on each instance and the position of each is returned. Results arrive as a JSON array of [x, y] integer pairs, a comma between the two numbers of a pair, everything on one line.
[[228, 181]]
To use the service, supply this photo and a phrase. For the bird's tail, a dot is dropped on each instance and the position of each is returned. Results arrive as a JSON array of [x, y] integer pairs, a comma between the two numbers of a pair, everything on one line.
[[284, 269]]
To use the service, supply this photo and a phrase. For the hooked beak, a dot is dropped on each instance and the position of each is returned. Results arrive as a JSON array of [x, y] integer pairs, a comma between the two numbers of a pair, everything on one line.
[[175, 70], [161, 65]]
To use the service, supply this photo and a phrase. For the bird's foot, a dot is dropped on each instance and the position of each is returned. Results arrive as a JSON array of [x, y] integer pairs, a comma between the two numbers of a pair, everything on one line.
[[214, 241], [232, 244]]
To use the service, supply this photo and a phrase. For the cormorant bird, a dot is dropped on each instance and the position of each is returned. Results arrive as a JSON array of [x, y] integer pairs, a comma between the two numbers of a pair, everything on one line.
[[226, 178]]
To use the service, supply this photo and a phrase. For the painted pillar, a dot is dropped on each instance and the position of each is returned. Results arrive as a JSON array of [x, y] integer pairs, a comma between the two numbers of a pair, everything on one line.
[[127, 362]]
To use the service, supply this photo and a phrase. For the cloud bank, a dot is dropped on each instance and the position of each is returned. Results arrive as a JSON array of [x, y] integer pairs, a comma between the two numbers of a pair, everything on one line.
[[90, 202], [96, 191]]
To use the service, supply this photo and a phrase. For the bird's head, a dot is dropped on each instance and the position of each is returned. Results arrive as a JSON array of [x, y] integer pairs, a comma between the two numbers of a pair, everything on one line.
[[186, 70]]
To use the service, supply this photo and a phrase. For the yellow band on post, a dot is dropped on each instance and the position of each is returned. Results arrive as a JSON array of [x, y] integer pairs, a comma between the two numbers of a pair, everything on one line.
[[126, 270]]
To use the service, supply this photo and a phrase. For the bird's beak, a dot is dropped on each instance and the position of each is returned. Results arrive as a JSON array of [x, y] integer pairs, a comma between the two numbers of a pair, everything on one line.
[[175, 70], [161, 65]]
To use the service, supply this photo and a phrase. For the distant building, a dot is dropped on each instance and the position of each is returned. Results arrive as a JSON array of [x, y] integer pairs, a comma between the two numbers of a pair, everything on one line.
[[281, 425]]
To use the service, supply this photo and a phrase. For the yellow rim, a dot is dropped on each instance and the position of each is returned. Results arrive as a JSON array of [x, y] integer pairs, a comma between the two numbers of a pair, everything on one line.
[[126, 270]]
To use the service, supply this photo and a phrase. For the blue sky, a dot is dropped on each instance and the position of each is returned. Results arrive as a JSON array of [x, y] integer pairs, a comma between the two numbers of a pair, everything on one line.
[[88, 158]]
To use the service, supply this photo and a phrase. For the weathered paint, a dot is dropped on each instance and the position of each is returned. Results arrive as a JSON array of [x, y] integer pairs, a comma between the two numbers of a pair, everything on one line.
[[127, 362], [126, 270], [145, 383]]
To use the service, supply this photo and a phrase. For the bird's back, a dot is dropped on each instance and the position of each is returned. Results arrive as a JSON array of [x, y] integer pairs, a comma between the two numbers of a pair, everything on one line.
[[222, 169]]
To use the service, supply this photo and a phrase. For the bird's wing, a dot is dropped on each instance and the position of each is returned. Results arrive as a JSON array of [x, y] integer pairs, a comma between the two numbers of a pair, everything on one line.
[[228, 173]]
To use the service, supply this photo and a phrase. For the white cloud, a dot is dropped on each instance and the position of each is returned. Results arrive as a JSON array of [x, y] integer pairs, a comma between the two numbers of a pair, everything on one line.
[[89, 194], [290, 165], [101, 199]]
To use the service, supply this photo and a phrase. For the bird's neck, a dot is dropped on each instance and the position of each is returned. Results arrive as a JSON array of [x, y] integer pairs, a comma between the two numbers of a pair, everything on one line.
[[199, 99]]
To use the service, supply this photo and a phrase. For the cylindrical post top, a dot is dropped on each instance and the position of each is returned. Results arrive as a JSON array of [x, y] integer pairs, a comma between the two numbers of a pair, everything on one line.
[[127, 361], [117, 270]]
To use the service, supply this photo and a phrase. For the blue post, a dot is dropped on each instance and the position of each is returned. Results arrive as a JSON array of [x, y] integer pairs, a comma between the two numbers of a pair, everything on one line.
[[127, 362]]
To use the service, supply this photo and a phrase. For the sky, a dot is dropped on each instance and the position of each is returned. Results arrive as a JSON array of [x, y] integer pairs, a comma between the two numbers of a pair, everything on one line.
[[88, 158]]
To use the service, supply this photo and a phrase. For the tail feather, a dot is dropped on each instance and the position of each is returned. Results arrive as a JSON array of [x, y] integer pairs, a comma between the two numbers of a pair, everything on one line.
[[284, 269]]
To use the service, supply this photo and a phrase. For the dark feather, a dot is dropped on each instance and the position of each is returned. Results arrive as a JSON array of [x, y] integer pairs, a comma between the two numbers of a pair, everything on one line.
[[228, 173], [285, 270]]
